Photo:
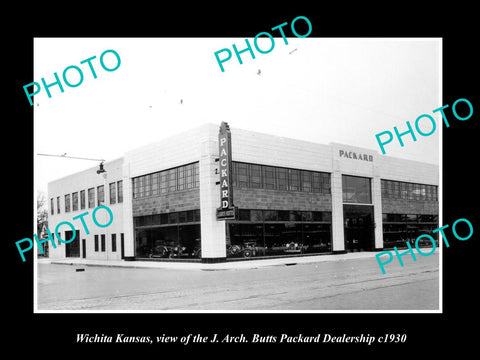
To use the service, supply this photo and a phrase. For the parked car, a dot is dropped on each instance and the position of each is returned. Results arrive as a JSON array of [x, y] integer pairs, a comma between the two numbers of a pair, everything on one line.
[[197, 249], [294, 248], [197, 252], [159, 250], [289, 248], [233, 250], [249, 249], [178, 251]]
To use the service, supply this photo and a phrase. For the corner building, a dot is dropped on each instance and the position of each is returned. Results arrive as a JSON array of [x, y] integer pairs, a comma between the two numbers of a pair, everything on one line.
[[290, 197]]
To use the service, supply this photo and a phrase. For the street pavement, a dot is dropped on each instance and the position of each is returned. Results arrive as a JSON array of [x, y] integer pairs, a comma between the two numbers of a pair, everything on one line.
[[332, 282]]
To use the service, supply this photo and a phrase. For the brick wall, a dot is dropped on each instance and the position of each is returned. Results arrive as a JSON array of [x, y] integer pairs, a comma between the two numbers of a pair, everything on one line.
[[177, 201], [280, 200], [403, 206]]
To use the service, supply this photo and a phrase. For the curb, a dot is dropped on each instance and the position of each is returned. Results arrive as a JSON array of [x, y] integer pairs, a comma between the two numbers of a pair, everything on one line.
[[229, 265]]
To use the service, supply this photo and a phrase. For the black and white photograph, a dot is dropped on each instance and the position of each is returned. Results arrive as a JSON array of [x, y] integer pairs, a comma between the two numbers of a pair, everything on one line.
[[267, 177], [269, 183]]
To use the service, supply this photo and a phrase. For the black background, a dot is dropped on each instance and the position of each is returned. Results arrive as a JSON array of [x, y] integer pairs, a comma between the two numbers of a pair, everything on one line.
[[54, 335]]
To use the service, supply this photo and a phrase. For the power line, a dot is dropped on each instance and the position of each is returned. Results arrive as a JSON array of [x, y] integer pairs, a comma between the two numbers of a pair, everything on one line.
[[71, 157]]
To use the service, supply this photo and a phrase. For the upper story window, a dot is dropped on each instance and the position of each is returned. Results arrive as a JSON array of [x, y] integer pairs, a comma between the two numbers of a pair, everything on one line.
[[82, 199], [120, 191], [100, 195], [408, 191], [356, 189], [78, 200], [75, 201], [113, 193], [91, 198], [255, 176], [161, 182], [67, 203]]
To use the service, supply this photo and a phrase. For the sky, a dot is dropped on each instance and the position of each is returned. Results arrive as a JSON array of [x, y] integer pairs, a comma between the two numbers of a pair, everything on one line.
[[315, 89]]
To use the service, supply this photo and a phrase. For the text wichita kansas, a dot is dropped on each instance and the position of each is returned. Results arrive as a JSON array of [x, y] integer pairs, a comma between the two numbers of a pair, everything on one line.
[[120, 338]]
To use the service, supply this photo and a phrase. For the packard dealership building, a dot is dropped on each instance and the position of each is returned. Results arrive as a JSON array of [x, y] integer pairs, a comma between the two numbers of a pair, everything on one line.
[[217, 194]]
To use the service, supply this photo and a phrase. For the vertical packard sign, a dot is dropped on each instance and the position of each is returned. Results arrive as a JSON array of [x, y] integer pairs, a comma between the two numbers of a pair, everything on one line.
[[227, 209]]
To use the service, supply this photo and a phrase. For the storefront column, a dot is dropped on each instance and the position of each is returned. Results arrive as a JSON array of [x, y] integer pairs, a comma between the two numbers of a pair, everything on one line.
[[377, 210], [129, 238], [338, 239], [213, 234]]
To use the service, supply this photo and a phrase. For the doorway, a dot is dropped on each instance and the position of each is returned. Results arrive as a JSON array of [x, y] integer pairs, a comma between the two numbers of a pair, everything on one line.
[[72, 249], [359, 227]]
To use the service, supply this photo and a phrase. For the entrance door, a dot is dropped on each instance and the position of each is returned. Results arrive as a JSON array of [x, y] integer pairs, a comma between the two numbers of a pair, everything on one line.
[[84, 249], [359, 227], [72, 249]]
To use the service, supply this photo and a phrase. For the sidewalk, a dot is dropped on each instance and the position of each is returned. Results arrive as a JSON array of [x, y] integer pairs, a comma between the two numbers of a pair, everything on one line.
[[229, 265]]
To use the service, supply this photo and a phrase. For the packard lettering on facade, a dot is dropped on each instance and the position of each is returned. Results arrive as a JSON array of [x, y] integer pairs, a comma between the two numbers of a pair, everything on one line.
[[355, 156], [227, 209]]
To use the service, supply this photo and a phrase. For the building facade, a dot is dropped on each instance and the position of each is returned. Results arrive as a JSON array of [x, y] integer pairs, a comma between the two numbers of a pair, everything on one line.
[[190, 197]]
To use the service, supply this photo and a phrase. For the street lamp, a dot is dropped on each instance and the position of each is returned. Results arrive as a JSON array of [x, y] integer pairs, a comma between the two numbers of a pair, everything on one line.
[[101, 169]]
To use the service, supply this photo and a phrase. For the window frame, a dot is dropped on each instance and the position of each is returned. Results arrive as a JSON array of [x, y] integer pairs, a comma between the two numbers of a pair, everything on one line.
[[82, 200], [91, 197], [68, 203], [101, 199], [113, 198], [75, 201]]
